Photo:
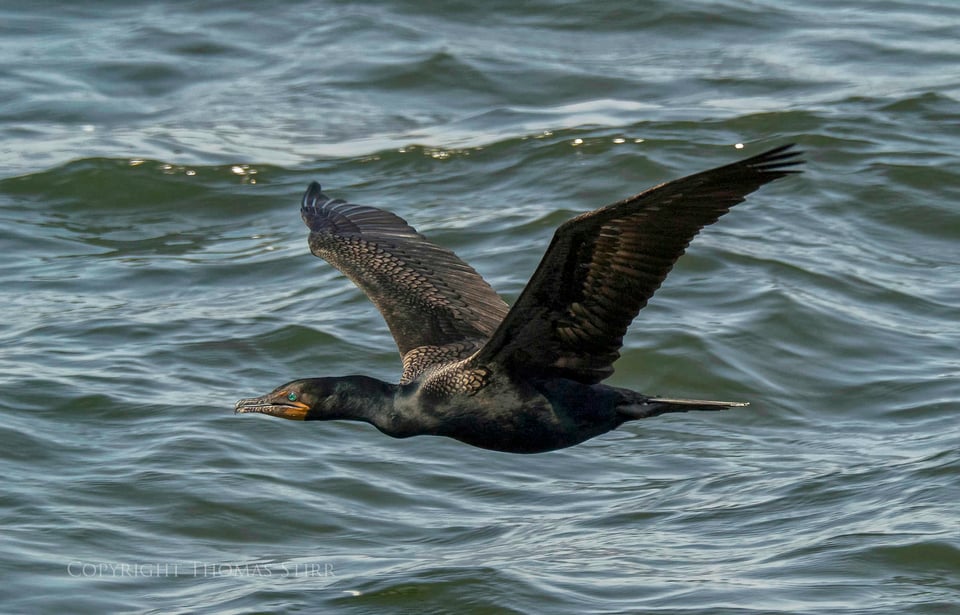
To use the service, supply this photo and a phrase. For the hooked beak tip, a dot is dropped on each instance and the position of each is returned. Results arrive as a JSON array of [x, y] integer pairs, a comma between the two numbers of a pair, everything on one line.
[[243, 406], [296, 411]]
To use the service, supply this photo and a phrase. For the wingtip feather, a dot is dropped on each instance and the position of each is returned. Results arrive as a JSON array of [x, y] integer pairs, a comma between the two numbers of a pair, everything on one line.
[[777, 160]]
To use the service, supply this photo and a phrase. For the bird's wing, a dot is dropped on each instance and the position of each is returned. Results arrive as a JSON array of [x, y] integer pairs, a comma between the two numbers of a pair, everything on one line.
[[437, 307], [603, 266]]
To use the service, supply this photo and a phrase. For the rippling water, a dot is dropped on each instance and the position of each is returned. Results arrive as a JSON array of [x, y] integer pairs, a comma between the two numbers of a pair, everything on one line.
[[155, 269]]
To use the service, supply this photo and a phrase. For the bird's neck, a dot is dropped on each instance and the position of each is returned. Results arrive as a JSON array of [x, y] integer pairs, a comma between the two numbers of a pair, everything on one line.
[[361, 398]]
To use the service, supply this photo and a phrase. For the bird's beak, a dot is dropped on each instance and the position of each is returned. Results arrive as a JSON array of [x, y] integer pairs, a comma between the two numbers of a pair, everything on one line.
[[293, 410]]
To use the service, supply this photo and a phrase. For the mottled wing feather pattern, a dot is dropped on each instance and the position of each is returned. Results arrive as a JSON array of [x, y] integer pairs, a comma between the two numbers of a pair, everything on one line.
[[455, 379], [427, 295], [603, 266], [416, 361]]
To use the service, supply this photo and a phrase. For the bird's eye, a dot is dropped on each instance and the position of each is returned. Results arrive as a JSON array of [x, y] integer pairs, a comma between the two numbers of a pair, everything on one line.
[[292, 396]]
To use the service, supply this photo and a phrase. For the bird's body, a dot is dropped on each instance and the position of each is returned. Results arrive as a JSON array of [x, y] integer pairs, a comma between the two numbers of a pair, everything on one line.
[[524, 379], [554, 413], [508, 414]]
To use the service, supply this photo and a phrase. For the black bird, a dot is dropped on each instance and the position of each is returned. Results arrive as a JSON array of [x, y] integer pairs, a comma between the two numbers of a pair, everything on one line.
[[524, 379]]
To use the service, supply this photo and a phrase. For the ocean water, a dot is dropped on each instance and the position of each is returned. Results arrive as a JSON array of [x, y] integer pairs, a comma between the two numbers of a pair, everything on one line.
[[155, 269]]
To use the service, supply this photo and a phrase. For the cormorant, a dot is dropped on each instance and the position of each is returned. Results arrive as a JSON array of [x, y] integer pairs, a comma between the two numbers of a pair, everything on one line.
[[521, 379]]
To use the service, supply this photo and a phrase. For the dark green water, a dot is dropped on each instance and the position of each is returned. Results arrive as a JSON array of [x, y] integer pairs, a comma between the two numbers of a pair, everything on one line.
[[155, 270]]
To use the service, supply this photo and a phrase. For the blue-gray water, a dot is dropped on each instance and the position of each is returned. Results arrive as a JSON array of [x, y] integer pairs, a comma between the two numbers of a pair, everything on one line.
[[152, 157]]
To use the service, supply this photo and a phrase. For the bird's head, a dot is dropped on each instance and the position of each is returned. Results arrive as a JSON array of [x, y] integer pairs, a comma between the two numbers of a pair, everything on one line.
[[299, 400]]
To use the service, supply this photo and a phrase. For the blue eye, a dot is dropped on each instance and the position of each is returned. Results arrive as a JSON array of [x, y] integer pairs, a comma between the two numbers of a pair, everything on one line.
[[292, 397]]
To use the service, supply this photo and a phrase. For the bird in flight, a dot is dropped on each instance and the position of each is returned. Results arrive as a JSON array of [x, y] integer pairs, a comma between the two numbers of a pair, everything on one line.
[[520, 379]]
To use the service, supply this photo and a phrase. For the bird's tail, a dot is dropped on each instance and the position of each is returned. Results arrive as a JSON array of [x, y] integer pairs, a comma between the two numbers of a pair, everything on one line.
[[647, 407]]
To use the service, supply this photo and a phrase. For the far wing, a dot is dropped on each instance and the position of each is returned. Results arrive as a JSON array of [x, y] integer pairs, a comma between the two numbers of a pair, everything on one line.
[[433, 302], [603, 266]]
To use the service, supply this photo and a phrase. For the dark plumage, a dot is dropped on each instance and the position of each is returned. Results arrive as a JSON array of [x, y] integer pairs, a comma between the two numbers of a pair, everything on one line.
[[524, 379]]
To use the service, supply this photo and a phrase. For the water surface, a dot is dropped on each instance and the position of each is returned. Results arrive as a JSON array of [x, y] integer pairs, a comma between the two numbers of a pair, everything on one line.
[[151, 164]]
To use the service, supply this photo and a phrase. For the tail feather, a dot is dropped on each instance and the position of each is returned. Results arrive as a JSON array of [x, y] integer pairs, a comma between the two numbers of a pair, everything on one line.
[[655, 406]]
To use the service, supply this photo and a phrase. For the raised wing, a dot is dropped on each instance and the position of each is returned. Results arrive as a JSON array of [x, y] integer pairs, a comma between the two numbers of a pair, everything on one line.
[[603, 266], [437, 307]]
